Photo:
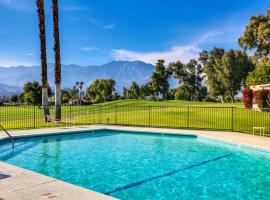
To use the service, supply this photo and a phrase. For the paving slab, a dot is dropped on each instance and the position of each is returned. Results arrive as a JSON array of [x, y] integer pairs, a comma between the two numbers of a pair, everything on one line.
[[23, 184]]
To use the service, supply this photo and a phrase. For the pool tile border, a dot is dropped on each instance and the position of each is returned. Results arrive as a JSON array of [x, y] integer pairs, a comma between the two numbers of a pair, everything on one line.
[[234, 144]]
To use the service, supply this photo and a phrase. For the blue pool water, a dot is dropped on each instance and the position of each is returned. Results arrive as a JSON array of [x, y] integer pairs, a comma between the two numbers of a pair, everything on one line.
[[146, 166]]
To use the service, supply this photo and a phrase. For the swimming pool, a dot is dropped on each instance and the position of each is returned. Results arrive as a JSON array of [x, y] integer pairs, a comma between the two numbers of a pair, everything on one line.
[[129, 165]]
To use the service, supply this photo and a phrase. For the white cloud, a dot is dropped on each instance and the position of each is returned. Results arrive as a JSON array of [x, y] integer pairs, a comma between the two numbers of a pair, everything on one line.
[[13, 62], [179, 52], [109, 26], [182, 53], [88, 48], [207, 36], [29, 54]]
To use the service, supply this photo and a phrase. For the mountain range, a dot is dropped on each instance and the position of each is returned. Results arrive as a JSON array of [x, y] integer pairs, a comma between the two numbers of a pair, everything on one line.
[[8, 90], [123, 72]]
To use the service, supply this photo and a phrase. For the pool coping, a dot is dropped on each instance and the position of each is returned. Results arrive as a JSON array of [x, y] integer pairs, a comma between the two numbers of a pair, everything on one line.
[[43, 185], [22, 184]]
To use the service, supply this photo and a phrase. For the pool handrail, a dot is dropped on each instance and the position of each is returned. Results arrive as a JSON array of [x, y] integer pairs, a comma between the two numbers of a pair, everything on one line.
[[8, 134]]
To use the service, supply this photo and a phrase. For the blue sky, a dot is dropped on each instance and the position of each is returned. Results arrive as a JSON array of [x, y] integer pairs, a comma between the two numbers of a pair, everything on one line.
[[98, 31]]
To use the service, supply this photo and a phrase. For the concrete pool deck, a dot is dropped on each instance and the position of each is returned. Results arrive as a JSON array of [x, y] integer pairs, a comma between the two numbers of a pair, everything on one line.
[[21, 184], [27, 185]]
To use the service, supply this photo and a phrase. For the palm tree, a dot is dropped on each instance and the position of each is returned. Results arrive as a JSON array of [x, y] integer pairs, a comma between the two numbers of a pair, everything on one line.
[[81, 90], [57, 60], [74, 94], [43, 57], [78, 91], [77, 84]]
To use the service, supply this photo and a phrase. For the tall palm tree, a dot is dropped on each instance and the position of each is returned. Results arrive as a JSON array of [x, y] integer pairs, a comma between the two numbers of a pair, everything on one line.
[[81, 91], [43, 57], [57, 60], [77, 86], [78, 91]]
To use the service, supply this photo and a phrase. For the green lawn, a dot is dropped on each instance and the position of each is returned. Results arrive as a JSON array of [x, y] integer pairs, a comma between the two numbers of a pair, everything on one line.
[[175, 114], [171, 103]]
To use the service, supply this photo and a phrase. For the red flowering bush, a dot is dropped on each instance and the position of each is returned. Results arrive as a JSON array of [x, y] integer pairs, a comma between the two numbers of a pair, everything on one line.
[[262, 98], [248, 97]]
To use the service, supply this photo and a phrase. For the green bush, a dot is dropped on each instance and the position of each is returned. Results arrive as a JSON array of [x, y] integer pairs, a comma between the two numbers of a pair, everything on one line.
[[261, 74]]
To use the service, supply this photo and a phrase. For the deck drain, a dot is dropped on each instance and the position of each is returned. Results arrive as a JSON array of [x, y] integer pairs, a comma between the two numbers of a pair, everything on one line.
[[3, 176], [49, 195]]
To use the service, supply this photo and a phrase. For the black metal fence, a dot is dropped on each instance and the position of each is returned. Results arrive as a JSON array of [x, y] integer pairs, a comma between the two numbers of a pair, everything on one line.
[[211, 118]]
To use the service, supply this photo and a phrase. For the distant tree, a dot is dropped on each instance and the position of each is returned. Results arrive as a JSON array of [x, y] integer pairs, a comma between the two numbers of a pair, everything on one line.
[[209, 61], [77, 88], [116, 96], [160, 80], [101, 90], [107, 87], [146, 91], [93, 92], [190, 80], [261, 74], [65, 96], [134, 91], [226, 71], [81, 91], [257, 35], [171, 93], [21, 98], [14, 98], [126, 93], [32, 93], [182, 93], [236, 66], [5, 99], [74, 94], [77, 84]]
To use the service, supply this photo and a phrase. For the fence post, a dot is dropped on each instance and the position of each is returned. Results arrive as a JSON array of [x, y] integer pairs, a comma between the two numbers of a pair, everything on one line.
[[99, 114], [232, 125], [115, 115], [149, 116], [34, 116], [70, 115], [188, 117]]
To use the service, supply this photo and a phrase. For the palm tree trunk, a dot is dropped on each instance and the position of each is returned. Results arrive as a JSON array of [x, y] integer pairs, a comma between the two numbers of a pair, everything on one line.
[[43, 57], [57, 61]]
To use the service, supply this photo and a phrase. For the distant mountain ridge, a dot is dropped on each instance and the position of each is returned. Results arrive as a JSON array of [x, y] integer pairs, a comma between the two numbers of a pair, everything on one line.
[[8, 90], [123, 72]]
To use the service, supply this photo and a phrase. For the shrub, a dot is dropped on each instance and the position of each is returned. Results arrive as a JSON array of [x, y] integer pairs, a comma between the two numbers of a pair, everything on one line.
[[262, 98], [261, 74], [248, 97]]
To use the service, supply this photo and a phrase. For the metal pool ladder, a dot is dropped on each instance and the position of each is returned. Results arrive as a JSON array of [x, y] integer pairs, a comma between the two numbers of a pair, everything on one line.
[[8, 134]]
